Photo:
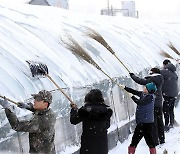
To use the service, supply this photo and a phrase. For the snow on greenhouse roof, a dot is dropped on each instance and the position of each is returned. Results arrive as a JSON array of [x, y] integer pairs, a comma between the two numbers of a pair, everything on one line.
[[42, 33]]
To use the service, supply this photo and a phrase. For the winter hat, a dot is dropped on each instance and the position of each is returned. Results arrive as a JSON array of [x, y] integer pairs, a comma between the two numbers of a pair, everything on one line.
[[151, 87], [43, 95], [166, 61], [154, 70]]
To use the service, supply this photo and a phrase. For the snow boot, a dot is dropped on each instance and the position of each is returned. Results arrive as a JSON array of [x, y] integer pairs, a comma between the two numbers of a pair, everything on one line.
[[171, 126], [131, 150], [152, 150], [166, 128]]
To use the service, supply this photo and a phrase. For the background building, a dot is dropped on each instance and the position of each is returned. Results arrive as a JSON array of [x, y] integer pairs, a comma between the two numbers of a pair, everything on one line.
[[57, 3], [127, 9]]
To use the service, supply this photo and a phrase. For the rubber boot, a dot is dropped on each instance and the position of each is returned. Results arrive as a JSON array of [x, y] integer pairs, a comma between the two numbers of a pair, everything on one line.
[[131, 150], [152, 150]]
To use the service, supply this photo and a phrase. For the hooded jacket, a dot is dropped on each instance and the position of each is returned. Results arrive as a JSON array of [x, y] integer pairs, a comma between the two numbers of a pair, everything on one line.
[[158, 80], [170, 86], [95, 118]]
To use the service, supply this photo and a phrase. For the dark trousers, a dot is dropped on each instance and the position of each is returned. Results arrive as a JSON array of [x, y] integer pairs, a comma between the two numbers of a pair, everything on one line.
[[143, 130], [158, 126], [168, 110]]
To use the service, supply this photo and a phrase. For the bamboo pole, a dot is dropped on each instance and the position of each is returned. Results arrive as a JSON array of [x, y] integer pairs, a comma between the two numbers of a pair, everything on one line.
[[77, 50], [96, 36], [60, 89], [9, 100]]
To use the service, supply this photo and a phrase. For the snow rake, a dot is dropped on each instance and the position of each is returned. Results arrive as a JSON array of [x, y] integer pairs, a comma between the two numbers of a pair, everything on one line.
[[41, 69]]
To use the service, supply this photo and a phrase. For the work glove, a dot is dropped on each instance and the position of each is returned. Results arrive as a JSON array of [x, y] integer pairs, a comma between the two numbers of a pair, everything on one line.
[[4, 103], [147, 77], [23, 105], [130, 95], [73, 106], [131, 74], [178, 61], [122, 86], [125, 88]]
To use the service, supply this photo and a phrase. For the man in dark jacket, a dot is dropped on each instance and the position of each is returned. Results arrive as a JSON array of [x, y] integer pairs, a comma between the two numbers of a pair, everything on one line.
[[95, 118], [144, 117], [40, 127], [170, 92], [157, 79], [178, 73]]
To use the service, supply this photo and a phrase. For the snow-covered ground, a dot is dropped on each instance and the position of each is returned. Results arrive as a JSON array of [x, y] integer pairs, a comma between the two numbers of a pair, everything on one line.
[[172, 142]]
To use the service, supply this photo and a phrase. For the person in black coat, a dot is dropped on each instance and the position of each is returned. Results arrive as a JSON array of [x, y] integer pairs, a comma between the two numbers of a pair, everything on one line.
[[95, 118], [170, 92], [178, 73], [158, 80], [144, 117]]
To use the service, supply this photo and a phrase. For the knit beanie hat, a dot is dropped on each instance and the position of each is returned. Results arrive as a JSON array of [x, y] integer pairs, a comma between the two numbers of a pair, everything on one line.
[[151, 87], [166, 61]]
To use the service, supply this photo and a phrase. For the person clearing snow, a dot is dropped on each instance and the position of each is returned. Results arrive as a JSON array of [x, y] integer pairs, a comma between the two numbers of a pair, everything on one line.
[[144, 117], [171, 146]]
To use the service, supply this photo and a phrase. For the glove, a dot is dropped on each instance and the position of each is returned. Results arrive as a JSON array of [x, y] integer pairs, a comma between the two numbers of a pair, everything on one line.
[[125, 88], [130, 95], [23, 105], [73, 106], [4, 103], [178, 61], [147, 77], [131, 74], [122, 86]]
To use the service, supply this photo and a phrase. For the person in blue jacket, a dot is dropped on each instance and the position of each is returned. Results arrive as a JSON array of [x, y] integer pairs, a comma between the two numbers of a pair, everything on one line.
[[155, 77], [144, 117]]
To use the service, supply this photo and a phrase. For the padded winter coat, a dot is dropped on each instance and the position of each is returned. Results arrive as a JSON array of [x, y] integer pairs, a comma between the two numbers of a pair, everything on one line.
[[95, 120], [41, 130], [170, 86], [158, 80], [145, 106]]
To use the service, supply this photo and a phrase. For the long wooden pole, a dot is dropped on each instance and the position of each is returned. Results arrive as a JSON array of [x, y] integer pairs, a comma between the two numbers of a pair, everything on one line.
[[60, 88], [9, 100]]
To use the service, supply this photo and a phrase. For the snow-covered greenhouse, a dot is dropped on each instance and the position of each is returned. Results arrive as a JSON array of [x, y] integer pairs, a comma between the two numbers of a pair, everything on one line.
[[81, 53]]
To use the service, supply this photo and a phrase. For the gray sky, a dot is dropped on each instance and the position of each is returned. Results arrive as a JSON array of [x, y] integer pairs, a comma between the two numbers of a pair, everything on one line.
[[147, 8]]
